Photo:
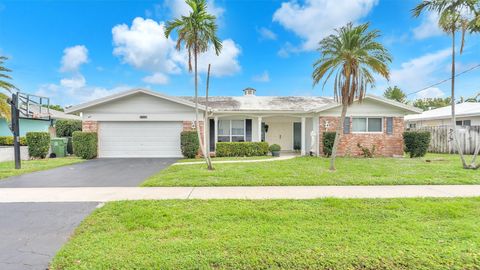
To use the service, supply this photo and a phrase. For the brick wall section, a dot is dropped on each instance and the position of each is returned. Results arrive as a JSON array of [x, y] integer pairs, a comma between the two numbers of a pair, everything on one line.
[[90, 126], [386, 145], [187, 126]]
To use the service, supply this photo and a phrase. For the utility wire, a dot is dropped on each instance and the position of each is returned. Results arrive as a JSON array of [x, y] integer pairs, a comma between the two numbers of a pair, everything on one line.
[[443, 81]]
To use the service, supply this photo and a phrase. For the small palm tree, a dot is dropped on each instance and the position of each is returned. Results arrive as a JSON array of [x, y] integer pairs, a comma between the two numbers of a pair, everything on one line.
[[351, 55], [4, 106], [196, 31], [454, 16]]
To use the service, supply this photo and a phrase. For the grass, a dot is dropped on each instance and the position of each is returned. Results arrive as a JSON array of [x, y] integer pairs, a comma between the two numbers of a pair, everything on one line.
[[223, 159], [443, 169], [7, 168], [278, 234]]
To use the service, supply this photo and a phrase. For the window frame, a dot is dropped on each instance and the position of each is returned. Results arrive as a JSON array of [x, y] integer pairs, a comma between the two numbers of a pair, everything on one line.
[[382, 127], [231, 135]]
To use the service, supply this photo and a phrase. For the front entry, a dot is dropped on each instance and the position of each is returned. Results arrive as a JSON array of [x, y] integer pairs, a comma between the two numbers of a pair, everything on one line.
[[280, 133]]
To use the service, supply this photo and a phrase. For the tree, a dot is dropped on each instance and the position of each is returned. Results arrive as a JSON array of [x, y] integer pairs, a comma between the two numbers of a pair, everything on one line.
[[351, 55], [56, 107], [395, 93], [454, 16], [196, 31], [4, 105], [431, 103]]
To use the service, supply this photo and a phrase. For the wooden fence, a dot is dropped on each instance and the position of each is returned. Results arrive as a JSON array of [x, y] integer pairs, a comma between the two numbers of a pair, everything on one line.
[[442, 139]]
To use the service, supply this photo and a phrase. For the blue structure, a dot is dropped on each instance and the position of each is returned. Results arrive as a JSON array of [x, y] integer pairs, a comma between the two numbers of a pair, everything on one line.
[[26, 125]]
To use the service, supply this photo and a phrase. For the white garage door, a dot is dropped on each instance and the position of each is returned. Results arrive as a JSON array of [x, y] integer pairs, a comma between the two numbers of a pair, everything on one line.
[[139, 139]]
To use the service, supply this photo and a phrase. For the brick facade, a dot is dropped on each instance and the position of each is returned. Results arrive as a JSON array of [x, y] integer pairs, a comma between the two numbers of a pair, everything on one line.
[[386, 145], [90, 126]]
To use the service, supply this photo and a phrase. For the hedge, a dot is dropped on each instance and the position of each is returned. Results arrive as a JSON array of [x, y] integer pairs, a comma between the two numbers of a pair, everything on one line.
[[65, 128], [189, 143], [8, 141], [241, 149], [416, 143], [327, 141], [85, 144], [38, 144]]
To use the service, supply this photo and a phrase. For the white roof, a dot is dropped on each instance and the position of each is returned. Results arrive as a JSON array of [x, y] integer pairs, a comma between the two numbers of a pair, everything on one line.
[[465, 109]]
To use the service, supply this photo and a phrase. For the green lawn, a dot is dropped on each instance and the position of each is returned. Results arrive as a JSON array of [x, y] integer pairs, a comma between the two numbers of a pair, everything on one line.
[[7, 168], [223, 159], [278, 234], [443, 169]]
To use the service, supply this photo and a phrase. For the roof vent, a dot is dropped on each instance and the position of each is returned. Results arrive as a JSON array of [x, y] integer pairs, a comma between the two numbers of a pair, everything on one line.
[[249, 91]]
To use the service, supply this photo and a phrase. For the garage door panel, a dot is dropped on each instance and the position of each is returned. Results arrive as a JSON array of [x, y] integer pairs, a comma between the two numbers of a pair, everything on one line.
[[139, 139]]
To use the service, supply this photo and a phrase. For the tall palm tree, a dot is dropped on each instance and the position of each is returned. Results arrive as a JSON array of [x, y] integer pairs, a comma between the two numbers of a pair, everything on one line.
[[352, 55], [196, 31], [454, 16], [5, 85]]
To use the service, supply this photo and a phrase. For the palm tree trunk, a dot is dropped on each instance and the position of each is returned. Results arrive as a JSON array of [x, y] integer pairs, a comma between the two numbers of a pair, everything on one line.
[[205, 121], [454, 119], [337, 137], [197, 123]]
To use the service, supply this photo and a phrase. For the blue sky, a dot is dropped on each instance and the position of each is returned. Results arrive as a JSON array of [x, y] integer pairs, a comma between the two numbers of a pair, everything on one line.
[[73, 51]]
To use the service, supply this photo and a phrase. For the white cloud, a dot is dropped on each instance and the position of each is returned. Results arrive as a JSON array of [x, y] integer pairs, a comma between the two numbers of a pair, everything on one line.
[[180, 8], [428, 27], [73, 58], [432, 92], [77, 81], [225, 64], [264, 77], [315, 19], [156, 78], [421, 71], [266, 34]]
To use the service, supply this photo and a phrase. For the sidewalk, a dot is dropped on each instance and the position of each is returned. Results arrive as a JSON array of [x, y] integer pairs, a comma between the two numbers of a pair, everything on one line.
[[105, 194]]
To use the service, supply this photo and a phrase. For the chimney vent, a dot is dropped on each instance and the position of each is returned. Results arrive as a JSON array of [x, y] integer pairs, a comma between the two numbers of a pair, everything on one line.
[[249, 91]]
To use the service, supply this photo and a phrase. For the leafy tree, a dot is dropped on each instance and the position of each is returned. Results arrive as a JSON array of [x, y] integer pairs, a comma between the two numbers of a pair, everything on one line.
[[432, 103], [395, 93], [4, 105], [454, 16], [351, 55], [56, 107], [196, 31]]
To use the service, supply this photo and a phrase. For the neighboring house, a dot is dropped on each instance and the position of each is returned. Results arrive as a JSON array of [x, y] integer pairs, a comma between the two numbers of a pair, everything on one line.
[[31, 124], [467, 114], [143, 123]]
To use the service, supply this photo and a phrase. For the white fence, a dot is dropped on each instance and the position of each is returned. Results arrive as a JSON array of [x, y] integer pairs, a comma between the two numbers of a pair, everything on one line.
[[442, 139]]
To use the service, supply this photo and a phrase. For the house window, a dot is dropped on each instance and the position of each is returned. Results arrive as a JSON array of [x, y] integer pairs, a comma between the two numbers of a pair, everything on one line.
[[231, 130], [367, 124], [464, 123], [412, 125]]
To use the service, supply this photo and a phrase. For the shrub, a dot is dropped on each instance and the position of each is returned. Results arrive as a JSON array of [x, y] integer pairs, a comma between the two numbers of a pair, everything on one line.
[[85, 144], [366, 152], [416, 143], [327, 141], [65, 128], [274, 148], [38, 144], [8, 141], [189, 143], [241, 149]]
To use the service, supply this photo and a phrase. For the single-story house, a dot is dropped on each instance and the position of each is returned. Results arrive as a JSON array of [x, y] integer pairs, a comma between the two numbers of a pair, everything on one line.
[[28, 124], [143, 123], [467, 114]]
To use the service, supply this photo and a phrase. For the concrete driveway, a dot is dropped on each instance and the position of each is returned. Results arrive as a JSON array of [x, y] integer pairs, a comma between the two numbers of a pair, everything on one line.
[[105, 172], [32, 233]]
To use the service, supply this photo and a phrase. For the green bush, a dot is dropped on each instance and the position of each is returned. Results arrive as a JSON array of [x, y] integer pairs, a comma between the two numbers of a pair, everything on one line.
[[8, 141], [241, 149], [416, 143], [327, 141], [65, 128], [189, 144], [85, 144], [38, 144], [274, 148]]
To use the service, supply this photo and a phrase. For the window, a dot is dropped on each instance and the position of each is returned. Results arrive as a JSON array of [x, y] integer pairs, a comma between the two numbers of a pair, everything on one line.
[[367, 124], [231, 130], [464, 123], [412, 125]]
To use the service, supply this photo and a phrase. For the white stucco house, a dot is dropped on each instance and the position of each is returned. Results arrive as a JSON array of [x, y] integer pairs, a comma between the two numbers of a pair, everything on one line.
[[144, 123], [467, 114]]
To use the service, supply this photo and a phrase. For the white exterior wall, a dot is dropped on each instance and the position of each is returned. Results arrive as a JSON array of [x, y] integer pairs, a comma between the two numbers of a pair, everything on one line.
[[367, 108], [131, 108], [442, 122]]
